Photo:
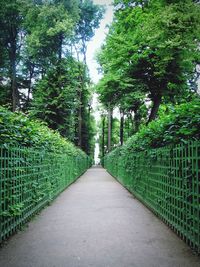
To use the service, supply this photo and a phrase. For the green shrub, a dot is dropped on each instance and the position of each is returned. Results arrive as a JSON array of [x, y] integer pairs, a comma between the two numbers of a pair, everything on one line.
[[17, 129], [179, 124]]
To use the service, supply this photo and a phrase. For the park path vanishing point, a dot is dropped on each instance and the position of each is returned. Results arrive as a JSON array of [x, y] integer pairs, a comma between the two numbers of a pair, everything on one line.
[[96, 222]]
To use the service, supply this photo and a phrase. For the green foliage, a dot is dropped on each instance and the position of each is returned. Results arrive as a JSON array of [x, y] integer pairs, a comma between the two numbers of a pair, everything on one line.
[[115, 132], [89, 19], [154, 44], [16, 129], [88, 132], [49, 27], [13, 210], [111, 89], [60, 86], [5, 94], [179, 124], [39, 71], [90, 16]]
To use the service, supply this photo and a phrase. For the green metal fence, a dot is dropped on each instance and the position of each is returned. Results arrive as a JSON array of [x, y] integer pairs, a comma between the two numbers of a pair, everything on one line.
[[167, 180], [29, 180]]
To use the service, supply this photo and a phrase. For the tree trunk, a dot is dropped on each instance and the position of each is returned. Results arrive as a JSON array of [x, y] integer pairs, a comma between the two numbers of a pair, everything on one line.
[[137, 119], [84, 51], [12, 50], [156, 103], [109, 128], [131, 121], [31, 72], [80, 120], [103, 136], [15, 94], [81, 106], [121, 127]]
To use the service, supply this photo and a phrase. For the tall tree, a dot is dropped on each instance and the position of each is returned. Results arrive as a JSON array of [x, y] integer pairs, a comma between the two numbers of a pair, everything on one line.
[[90, 16], [11, 35], [37, 64], [89, 20], [155, 43], [50, 27], [59, 87]]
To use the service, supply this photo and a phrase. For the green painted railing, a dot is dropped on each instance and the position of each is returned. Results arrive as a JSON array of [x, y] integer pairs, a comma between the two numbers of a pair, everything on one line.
[[31, 179], [167, 180]]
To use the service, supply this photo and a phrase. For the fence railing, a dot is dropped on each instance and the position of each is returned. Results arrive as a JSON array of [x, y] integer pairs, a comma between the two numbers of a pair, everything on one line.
[[29, 180], [167, 180]]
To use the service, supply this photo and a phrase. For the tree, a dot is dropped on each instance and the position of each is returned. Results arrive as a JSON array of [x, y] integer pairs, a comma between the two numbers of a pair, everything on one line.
[[122, 92], [154, 43], [89, 19], [50, 28], [59, 87], [32, 36], [10, 43], [38, 67], [90, 16]]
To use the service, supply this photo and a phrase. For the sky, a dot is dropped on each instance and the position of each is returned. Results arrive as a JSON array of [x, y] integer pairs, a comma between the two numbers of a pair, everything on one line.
[[94, 46], [96, 42]]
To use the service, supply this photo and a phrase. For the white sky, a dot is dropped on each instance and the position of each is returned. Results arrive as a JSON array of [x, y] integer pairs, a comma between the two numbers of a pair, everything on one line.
[[94, 45], [96, 42]]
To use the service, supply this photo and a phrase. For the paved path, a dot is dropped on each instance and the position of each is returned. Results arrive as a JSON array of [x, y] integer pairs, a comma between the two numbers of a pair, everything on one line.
[[96, 222]]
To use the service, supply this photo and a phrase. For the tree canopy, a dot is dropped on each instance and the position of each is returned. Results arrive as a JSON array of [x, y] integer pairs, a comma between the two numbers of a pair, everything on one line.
[[43, 63], [150, 56], [148, 62]]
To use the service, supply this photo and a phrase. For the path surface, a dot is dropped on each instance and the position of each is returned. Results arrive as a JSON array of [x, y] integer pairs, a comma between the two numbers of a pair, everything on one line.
[[96, 222]]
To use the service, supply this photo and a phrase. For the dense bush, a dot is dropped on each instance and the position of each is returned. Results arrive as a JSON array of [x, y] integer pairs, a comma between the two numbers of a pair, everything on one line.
[[178, 124], [36, 175], [17, 129]]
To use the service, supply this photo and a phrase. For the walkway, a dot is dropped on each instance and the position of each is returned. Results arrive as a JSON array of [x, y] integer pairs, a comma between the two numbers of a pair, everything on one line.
[[96, 222]]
